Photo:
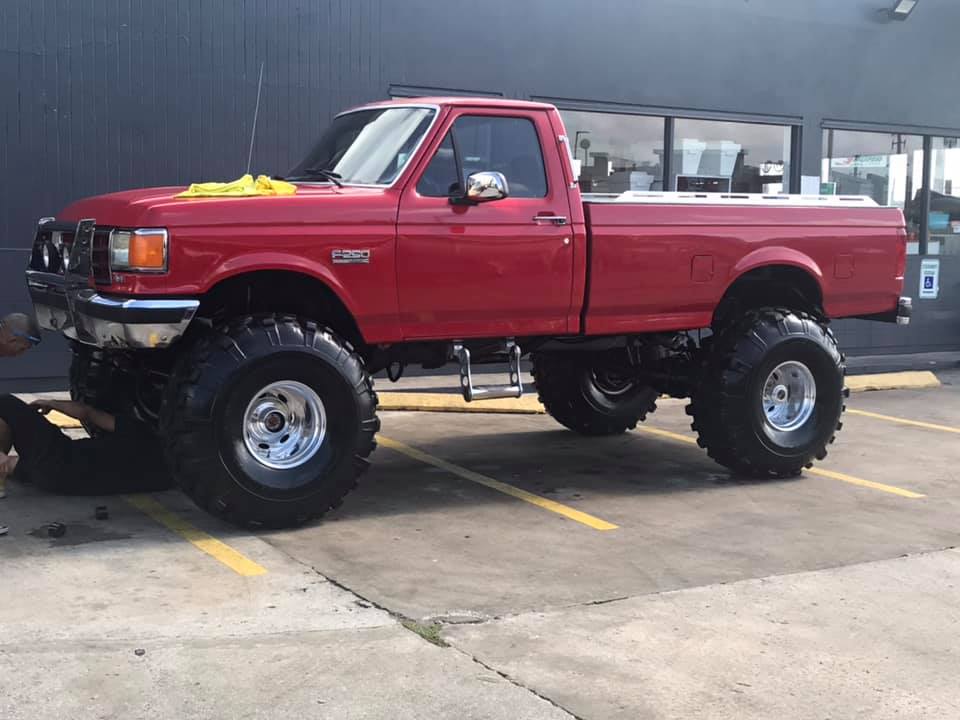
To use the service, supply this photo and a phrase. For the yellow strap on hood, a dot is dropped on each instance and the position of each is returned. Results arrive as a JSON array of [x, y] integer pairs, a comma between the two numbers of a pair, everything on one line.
[[245, 186]]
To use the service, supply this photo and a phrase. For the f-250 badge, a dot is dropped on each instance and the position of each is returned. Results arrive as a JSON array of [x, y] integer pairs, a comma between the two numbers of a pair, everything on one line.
[[350, 257]]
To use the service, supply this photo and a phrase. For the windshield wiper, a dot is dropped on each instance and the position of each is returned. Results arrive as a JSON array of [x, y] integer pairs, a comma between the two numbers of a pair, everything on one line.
[[325, 174]]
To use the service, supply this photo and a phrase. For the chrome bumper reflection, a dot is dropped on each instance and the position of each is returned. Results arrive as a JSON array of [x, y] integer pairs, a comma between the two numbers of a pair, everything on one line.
[[904, 311], [83, 314]]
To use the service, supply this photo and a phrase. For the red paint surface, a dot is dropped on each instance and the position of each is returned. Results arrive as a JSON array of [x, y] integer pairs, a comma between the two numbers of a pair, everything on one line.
[[444, 271]]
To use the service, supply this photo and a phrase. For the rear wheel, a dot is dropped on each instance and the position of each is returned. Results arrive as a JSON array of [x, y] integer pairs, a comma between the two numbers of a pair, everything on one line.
[[269, 421], [590, 393], [771, 395]]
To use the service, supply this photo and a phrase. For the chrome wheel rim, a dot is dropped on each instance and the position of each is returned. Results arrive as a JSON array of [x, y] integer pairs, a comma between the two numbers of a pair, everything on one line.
[[284, 425], [610, 383], [789, 396]]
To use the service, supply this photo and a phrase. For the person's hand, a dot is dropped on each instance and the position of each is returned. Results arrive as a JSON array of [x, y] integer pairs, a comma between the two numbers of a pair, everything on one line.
[[12, 346]]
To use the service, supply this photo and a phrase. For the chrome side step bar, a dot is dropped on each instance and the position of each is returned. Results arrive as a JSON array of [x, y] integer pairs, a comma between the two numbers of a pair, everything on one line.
[[470, 392]]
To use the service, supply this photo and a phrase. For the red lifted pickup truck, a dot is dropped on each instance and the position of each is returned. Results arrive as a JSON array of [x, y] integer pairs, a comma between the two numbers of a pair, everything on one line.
[[443, 230]]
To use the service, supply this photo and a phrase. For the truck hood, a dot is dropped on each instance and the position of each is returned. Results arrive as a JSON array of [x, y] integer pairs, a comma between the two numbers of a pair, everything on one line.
[[158, 207]]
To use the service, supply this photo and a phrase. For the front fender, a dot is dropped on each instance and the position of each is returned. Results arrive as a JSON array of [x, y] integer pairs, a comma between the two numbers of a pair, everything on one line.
[[254, 262]]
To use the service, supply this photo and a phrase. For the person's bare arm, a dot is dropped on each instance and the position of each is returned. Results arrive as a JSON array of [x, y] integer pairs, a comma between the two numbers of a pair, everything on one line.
[[78, 411]]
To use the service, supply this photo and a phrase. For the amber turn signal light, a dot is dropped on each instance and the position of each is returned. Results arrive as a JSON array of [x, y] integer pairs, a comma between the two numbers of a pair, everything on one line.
[[142, 250]]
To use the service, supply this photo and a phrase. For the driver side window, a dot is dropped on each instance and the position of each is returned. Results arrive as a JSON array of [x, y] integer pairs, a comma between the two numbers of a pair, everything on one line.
[[440, 177], [484, 143]]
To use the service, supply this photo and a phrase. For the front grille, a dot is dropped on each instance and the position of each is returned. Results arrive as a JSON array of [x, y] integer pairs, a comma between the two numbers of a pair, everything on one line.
[[100, 257]]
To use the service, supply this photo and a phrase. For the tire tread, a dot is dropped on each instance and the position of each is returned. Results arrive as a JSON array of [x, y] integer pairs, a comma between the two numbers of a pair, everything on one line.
[[190, 441], [725, 434]]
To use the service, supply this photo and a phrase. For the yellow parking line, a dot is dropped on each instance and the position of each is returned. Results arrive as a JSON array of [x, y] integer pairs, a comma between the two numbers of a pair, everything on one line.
[[236, 561], [842, 477], [892, 489], [667, 434], [559, 508], [905, 421]]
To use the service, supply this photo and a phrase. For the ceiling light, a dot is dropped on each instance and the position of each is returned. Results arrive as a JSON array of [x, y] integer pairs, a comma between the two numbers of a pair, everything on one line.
[[902, 9]]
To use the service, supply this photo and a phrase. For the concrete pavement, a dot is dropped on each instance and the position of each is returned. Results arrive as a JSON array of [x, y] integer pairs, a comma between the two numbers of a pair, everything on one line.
[[122, 619], [698, 595], [874, 640]]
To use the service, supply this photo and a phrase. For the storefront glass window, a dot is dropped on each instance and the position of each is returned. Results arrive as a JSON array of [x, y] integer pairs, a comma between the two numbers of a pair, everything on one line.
[[711, 156], [616, 152], [943, 222], [885, 166]]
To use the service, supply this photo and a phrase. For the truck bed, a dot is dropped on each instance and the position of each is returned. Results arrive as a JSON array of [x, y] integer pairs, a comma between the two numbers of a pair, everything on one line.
[[661, 262]]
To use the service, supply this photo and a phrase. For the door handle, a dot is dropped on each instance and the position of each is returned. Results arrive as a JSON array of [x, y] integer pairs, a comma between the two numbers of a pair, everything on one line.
[[553, 219]]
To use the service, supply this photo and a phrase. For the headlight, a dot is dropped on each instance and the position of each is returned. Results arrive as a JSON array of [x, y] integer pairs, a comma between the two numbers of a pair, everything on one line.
[[51, 255], [142, 250]]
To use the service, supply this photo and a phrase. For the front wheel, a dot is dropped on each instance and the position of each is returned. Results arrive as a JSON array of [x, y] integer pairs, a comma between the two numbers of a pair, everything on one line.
[[590, 393], [269, 421], [771, 395]]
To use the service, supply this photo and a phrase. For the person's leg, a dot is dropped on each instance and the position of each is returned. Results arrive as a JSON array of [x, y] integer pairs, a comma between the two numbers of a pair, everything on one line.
[[7, 464], [6, 437], [40, 444]]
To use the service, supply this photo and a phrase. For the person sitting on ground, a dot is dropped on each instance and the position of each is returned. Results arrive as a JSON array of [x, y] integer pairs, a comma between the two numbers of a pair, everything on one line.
[[18, 333], [124, 457]]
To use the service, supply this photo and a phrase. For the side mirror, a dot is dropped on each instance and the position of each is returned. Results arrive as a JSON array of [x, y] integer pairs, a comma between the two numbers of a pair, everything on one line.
[[486, 186]]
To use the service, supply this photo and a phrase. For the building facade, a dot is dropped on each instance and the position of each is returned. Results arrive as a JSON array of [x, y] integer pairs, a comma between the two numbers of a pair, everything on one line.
[[706, 95]]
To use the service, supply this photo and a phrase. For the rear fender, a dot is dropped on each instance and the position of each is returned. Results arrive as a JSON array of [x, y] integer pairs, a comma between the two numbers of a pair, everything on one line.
[[773, 256]]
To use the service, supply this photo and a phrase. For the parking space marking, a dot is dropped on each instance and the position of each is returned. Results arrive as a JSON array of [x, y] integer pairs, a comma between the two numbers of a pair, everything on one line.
[[233, 559], [842, 477], [905, 421], [892, 489], [542, 502]]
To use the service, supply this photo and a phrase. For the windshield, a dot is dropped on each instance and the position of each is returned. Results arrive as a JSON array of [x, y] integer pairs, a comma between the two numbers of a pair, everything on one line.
[[366, 147]]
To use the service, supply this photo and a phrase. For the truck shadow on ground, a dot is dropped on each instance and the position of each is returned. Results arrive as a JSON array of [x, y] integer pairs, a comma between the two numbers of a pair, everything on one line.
[[554, 464]]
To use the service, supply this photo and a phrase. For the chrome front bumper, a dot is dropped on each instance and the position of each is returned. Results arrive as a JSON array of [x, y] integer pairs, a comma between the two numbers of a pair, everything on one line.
[[83, 314]]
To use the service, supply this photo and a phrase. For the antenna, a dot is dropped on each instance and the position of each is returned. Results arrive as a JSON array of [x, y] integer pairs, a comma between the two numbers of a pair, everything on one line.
[[256, 112]]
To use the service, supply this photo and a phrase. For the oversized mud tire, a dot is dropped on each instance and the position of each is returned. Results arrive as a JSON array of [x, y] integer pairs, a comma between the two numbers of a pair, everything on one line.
[[582, 392], [96, 381], [770, 397], [269, 421]]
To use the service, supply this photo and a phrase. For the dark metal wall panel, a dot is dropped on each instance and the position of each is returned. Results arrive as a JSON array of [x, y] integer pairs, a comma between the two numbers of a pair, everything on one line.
[[937, 322], [101, 95]]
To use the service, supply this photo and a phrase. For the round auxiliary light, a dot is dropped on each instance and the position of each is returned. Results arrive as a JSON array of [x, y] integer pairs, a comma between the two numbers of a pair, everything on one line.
[[51, 257]]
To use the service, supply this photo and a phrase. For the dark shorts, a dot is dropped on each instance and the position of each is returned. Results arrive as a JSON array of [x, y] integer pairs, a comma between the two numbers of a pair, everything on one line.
[[51, 460], [42, 446]]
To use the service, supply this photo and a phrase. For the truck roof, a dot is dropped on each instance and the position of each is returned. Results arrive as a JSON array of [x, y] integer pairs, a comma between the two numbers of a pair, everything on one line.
[[451, 101]]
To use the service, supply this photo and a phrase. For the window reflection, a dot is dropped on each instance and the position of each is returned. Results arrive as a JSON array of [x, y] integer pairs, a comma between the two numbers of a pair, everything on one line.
[[616, 152], [711, 156], [943, 222], [885, 166]]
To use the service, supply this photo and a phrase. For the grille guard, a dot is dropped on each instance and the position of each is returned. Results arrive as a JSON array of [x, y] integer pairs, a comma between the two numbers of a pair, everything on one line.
[[67, 303]]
